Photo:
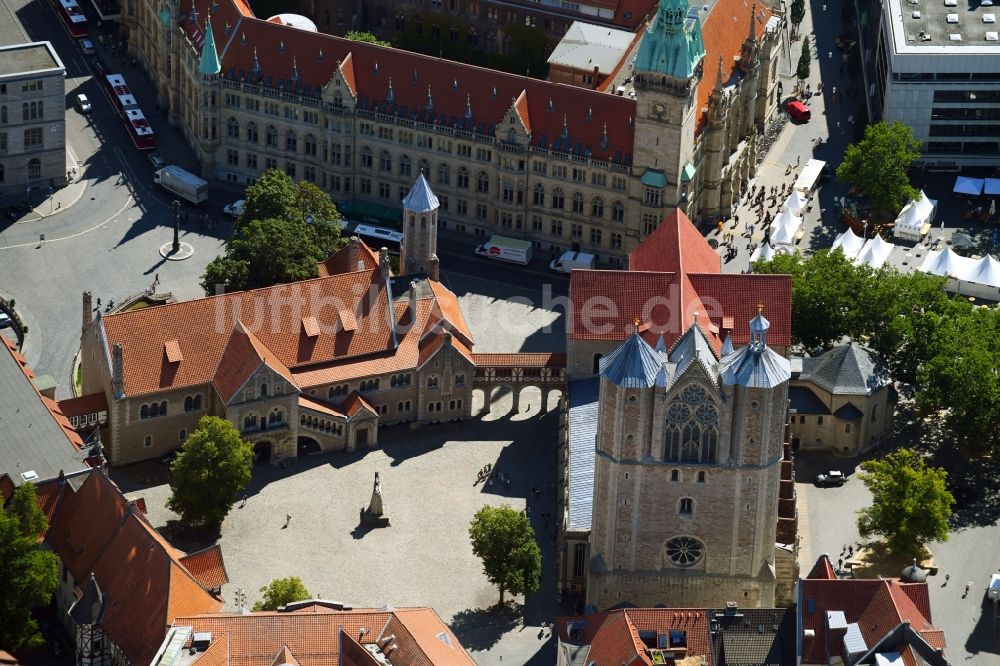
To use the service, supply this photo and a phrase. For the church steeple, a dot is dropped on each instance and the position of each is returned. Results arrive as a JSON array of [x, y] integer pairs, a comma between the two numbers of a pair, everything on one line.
[[672, 45], [209, 64]]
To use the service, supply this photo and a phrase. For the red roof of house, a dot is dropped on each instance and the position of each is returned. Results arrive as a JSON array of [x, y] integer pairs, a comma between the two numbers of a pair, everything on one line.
[[92, 403], [312, 636], [207, 567], [95, 529], [522, 360], [340, 261], [878, 606], [416, 79], [613, 636], [244, 355], [675, 278]]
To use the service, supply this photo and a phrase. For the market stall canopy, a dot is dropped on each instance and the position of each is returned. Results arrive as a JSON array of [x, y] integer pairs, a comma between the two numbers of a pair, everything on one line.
[[966, 185], [947, 263], [991, 186], [914, 220], [786, 218], [987, 272], [764, 253], [785, 228], [875, 253], [796, 202], [963, 241], [849, 243]]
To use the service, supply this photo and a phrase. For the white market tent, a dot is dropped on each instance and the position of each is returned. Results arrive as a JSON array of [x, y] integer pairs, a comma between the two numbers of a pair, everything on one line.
[[849, 243], [915, 219], [785, 228], [970, 277], [796, 202], [875, 253], [763, 253], [806, 182]]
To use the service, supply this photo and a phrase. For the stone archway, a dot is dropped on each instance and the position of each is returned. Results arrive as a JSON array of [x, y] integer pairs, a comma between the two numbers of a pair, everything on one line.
[[307, 446], [262, 452]]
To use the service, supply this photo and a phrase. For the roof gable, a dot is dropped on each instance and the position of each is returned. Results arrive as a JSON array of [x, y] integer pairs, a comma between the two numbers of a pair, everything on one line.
[[675, 246]]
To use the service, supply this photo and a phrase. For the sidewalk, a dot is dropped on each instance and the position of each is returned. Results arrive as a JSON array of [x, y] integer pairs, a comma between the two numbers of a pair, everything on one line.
[[45, 206]]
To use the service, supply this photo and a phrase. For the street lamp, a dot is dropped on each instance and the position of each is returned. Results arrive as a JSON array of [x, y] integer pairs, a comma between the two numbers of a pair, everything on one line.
[[177, 226]]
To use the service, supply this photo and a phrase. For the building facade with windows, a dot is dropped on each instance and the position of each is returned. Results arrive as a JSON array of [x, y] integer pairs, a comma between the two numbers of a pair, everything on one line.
[[32, 118], [311, 366], [564, 167], [936, 68]]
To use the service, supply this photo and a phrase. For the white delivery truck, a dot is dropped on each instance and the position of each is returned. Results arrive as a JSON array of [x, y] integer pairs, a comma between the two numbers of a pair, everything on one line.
[[570, 260], [511, 250], [183, 183]]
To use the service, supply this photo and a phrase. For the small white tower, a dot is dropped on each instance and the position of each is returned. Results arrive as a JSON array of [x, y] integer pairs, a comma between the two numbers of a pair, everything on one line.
[[418, 252]]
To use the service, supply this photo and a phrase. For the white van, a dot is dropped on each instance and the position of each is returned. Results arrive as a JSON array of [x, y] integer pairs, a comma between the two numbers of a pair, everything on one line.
[[570, 260]]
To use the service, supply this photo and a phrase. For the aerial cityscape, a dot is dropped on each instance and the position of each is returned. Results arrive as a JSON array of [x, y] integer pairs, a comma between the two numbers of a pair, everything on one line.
[[499, 332]]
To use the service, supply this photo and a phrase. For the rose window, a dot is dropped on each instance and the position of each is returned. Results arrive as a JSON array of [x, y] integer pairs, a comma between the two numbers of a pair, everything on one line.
[[684, 551], [706, 414], [678, 412], [694, 395]]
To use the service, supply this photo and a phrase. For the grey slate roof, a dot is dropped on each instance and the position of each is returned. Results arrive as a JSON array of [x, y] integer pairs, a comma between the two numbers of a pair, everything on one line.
[[583, 410], [804, 401], [849, 413], [694, 346], [850, 369], [756, 365], [754, 636], [633, 365], [421, 198], [894, 641], [30, 437]]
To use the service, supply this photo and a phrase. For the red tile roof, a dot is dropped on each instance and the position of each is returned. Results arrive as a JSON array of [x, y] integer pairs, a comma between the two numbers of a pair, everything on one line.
[[92, 403], [244, 355], [95, 530], [723, 32], [340, 262], [305, 402], [613, 636], [523, 360], [207, 567], [677, 278], [356, 403], [878, 606], [493, 94], [675, 246], [312, 636]]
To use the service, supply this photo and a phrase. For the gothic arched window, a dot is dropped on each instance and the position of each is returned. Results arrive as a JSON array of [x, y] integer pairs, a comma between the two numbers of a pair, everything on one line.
[[692, 427]]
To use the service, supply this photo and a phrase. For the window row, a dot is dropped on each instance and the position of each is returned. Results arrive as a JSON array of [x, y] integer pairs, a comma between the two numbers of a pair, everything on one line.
[[153, 410], [252, 421], [675, 475], [34, 167], [323, 425]]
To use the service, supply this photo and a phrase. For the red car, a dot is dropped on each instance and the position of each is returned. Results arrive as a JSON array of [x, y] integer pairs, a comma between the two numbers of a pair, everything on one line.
[[798, 111]]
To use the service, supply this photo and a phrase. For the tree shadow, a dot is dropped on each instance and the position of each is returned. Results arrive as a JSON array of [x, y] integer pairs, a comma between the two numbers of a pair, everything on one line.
[[480, 629], [190, 538]]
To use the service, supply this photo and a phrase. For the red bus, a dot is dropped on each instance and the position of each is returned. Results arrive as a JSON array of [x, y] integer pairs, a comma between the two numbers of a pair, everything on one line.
[[120, 94], [72, 16], [139, 129]]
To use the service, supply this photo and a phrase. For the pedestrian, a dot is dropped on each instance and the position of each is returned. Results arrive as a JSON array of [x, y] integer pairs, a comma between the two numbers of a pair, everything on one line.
[[798, 161], [967, 586], [156, 278], [41, 240], [288, 519], [244, 502], [98, 302]]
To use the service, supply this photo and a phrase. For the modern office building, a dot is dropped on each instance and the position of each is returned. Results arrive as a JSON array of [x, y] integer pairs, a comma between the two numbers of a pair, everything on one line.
[[32, 118], [935, 66]]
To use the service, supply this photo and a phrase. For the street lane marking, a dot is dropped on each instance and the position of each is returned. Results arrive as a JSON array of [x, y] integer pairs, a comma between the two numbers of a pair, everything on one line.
[[129, 202]]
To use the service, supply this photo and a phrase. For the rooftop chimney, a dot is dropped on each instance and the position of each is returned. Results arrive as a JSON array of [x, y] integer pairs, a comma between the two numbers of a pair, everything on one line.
[[117, 373], [434, 269], [354, 254]]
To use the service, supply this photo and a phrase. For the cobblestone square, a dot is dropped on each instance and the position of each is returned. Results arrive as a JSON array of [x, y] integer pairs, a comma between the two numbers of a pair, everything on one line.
[[427, 475]]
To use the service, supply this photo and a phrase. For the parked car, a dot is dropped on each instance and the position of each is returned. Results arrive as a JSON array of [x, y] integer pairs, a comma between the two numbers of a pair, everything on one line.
[[4, 320], [87, 47], [82, 103], [235, 209], [157, 161], [798, 111], [100, 69], [831, 478]]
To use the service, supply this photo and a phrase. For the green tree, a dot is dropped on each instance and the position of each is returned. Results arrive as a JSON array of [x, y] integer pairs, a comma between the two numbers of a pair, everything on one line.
[[802, 70], [911, 504], [505, 541], [212, 466], [798, 12], [28, 574], [878, 165], [359, 36], [281, 592], [285, 230]]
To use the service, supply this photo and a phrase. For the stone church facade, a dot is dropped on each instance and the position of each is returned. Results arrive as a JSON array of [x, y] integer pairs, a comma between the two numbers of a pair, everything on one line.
[[564, 167], [688, 471]]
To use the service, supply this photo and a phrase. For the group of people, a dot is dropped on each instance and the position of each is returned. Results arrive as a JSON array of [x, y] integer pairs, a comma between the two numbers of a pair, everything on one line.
[[489, 475]]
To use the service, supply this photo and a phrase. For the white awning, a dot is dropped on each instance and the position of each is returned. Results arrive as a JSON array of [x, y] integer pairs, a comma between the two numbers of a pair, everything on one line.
[[875, 253], [796, 202], [807, 180], [849, 243]]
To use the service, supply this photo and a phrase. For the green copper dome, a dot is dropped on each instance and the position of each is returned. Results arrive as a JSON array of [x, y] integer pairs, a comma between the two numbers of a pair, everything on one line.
[[672, 45]]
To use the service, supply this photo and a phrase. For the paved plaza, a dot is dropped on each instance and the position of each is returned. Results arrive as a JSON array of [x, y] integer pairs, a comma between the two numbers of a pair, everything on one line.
[[428, 487]]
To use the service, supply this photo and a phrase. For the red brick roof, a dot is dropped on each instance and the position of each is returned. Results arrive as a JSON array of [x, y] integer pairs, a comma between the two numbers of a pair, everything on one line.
[[878, 606], [92, 403], [356, 403], [492, 93], [244, 355], [524, 360], [95, 530], [613, 636], [339, 262], [823, 569], [677, 277], [207, 567], [313, 637], [675, 246]]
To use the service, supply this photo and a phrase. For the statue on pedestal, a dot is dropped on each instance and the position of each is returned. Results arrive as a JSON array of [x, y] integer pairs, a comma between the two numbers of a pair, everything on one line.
[[374, 515]]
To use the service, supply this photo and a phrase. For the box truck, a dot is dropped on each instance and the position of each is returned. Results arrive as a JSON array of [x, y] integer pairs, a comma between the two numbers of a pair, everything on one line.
[[183, 183], [570, 260], [510, 250]]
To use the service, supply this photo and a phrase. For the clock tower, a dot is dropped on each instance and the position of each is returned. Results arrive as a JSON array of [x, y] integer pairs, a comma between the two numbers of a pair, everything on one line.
[[668, 67]]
